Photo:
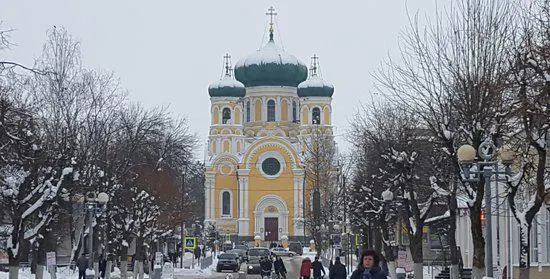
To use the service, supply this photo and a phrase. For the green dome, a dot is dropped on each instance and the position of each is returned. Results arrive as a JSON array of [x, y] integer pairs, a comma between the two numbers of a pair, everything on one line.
[[270, 66], [226, 87], [315, 86]]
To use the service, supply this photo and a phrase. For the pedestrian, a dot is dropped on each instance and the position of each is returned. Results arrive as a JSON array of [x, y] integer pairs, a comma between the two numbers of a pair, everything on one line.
[[265, 265], [82, 264], [305, 268], [338, 270], [369, 267], [317, 268], [198, 253], [102, 267], [279, 266]]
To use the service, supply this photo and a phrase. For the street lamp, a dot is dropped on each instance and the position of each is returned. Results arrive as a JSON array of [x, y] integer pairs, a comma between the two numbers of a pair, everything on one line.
[[94, 205], [474, 171]]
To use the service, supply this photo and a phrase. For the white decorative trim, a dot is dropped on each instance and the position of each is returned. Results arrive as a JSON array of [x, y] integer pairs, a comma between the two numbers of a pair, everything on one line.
[[230, 203], [255, 149], [321, 122], [259, 215], [271, 154]]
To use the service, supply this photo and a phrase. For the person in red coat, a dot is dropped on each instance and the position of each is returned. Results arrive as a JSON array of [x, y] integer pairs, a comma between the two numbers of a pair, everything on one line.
[[305, 269]]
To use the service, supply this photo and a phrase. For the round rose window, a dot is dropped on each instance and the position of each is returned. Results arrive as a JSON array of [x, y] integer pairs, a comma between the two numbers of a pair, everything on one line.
[[271, 166]]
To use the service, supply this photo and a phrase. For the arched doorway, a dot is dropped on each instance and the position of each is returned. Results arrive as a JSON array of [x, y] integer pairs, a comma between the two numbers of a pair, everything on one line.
[[271, 218]]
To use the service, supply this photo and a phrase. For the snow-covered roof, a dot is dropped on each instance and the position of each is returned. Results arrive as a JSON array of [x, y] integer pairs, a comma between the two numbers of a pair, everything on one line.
[[270, 66], [270, 53], [226, 87], [315, 86]]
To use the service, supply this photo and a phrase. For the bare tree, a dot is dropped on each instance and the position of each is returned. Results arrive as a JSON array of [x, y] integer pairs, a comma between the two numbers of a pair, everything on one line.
[[31, 180], [321, 179], [452, 74], [530, 117], [399, 161]]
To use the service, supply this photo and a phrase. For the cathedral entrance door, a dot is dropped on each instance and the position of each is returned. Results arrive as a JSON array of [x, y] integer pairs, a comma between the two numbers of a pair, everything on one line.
[[271, 225]]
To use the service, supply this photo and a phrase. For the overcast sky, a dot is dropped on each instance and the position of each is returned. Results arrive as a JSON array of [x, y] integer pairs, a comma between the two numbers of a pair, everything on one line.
[[166, 53]]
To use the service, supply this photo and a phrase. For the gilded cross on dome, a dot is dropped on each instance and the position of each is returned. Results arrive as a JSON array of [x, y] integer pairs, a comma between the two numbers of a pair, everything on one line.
[[314, 64], [271, 13], [227, 59]]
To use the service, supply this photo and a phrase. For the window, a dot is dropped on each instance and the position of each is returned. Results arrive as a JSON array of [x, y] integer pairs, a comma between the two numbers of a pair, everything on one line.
[[271, 111], [271, 166], [316, 116], [294, 112], [226, 203], [248, 111], [226, 115]]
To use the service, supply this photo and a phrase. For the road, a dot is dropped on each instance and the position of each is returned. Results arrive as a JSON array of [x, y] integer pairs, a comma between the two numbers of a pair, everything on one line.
[[292, 266]]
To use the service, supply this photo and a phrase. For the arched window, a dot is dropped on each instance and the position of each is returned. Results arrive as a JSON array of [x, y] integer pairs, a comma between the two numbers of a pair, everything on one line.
[[294, 112], [271, 111], [316, 116], [248, 111], [226, 115], [226, 203]]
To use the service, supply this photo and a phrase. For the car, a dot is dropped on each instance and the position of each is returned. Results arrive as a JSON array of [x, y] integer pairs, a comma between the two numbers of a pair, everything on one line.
[[296, 247], [254, 255], [240, 252], [280, 251], [228, 261], [245, 249]]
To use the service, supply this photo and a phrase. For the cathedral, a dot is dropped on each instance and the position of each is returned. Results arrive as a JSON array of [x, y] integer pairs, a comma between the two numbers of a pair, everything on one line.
[[255, 184]]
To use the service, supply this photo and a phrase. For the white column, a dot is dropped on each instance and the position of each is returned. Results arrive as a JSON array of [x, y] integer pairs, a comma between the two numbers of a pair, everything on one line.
[[298, 202], [278, 109], [243, 220], [264, 109], [212, 197], [210, 201]]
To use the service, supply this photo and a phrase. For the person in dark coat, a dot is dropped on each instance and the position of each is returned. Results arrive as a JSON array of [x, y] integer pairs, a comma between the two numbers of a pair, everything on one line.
[[82, 264], [305, 268], [102, 267], [317, 268], [338, 270], [279, 266], [266, 265], [369, 267]]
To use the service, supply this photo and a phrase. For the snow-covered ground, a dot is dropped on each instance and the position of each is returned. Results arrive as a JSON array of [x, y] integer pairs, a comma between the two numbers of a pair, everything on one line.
[[168, 272], [25, 273]]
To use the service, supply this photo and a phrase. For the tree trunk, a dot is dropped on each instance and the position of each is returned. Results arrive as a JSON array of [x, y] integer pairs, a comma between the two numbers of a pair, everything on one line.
[[478, 262], [13, 264], [451, 238], [524, 244], [124, 262], [415, 248], [40, 258], [140, 257]]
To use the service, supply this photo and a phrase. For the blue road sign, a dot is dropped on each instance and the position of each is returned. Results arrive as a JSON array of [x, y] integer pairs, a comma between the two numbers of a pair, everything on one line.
[[190, 242]]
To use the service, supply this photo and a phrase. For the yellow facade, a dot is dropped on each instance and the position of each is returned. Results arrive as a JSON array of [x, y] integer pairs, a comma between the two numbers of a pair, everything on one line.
[[284, 110], [256, 186]]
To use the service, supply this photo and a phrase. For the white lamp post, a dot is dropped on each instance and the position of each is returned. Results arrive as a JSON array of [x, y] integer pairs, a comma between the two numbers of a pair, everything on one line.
[[484, 168]]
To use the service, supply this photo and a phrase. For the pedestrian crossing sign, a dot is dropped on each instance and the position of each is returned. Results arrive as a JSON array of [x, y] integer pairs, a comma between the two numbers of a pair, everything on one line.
[[190, 243]]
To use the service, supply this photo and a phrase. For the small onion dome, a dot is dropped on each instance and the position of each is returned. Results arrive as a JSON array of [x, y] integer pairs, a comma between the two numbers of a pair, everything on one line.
[[270, 66], [315, 86], [226, 87]]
